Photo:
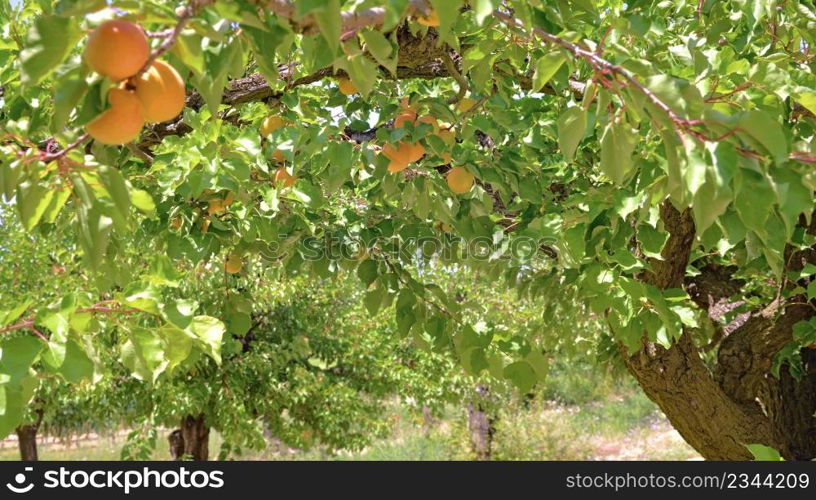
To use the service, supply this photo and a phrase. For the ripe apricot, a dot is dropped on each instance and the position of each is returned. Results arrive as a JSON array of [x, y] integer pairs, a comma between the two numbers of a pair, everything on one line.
[[271, 124], [448, 136], [430, 120], [346, 86], [405, 117], [121, 122], [431, 19], [233, 264], [416, 152], [402, 154], [161, 91], [117, 49], [460, 180], [465, 104], [446, 158], [282, 176], [215, 207]]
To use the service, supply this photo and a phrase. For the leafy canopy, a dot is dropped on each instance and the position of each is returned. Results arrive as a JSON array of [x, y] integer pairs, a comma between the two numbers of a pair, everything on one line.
[[584, 124]]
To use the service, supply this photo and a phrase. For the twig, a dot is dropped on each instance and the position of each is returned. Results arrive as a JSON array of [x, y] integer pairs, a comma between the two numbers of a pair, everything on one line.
[[599, 48], [141, 153], [454, 72], [739, 88], [99, 307], [170, 39], [49, 157], [601, 65]]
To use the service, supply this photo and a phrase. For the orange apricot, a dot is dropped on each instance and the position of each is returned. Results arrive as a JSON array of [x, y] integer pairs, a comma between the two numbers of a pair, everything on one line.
[[404, 117], [460, 180], [271, 124], [448, 136], [117, 49], [431, 19], [233, 264], [161, 91], [121, 122], [282, 176], [416, 151], [430, 120], [346, 86]]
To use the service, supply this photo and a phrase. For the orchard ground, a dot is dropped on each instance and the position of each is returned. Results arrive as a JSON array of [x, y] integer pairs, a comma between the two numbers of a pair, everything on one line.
[[580, 414]]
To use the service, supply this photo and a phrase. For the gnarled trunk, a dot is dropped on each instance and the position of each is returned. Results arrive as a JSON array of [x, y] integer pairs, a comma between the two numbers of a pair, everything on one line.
[[192, 440], [27, 442], [737, 402]]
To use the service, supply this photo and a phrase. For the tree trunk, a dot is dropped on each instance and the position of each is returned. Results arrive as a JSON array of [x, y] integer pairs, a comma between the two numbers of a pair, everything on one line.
[[27, 442], [192, 440], [481, 425], [737, 402], [176, 444]]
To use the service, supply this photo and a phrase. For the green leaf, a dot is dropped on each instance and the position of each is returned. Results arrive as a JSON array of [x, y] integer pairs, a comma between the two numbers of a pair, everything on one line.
[[77, 365], [764, 453], [14, 400], [571, 127], [32, 202], [367, 271], [49, 42], [766, 131], [754, 199], [69, 89], [521, 374], [264, 44], [484, 9], [546, 66], [141, 199], [373, 299], [115, 185], [713, 197], [381, 49], [188, 49], [448, 12], [143, 354], [362, 71], [808, 100], [329, 22], [681, 96], [16, 357], [210, 332], [178, 345], [617, 143]]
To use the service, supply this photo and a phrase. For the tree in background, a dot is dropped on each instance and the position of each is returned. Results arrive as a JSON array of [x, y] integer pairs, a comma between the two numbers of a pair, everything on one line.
[[652, 158]]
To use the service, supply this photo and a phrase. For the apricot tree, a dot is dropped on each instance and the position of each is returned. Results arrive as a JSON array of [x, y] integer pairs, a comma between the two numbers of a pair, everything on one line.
[[655, 157]]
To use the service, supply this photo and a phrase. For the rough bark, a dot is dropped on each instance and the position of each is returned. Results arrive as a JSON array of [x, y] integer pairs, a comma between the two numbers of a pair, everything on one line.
[[419, 57], [192, 440], [718, 411], [176, 442], [27, 442]]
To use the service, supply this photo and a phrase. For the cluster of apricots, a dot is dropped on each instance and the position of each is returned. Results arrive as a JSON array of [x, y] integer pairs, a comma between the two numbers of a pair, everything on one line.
[[403, 153], [119, 51], [268, 125]]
